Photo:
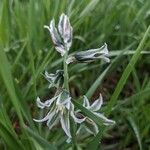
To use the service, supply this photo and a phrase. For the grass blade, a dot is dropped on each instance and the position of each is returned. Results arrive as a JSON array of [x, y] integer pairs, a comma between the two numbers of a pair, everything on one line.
[[101, 77], [40, 140], [127, 72], [135, 130], [5, 72], [11, 141], [89, 8]]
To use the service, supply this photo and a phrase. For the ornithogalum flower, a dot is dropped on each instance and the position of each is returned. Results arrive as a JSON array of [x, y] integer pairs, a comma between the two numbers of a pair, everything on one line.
[[54, 78], [63, 39], [90, 55], [60, 109], [90, 125]]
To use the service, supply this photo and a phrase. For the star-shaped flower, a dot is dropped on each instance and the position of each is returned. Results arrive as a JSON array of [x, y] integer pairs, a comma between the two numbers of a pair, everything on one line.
[[91, 126], [60, 109]]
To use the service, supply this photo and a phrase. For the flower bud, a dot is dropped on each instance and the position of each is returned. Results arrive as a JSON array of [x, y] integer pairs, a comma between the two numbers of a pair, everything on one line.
[[65, 30], [90, 55], [56, 38], [93, 54], [63, 39]]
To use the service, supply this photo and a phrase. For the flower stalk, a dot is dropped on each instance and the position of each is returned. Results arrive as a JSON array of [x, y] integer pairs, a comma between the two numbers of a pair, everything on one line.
[[66, 76]]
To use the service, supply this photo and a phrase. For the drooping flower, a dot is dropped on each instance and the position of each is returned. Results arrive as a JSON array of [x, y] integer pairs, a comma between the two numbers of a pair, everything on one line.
[[90, 55], [63, 39], [90, 125], [60, 109]]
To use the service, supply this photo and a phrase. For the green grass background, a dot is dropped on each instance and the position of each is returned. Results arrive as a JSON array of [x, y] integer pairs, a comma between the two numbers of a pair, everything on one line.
[[26, 51]]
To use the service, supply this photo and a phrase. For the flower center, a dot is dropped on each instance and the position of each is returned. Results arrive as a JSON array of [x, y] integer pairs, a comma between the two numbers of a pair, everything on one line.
[[61, 108]]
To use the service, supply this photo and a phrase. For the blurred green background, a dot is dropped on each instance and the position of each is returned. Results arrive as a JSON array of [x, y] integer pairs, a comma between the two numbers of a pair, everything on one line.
[[26, 51]]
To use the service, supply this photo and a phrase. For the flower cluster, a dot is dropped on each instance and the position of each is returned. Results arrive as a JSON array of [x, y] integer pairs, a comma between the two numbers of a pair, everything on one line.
[[61, 108], [62, 40]]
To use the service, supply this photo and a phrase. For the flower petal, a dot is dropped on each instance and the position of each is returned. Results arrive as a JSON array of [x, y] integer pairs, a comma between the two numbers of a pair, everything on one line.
[[65, 30], [85, 101], [97, 104], [54, 78], [67, 103], [53, 119], [73, 115], [54, 33], [39, 103], [70, 59], [56, 38], [68, 140], [43, 119], [104, 119], [61, 24], [46, 103], [60, 49], [104, 49], [77, 120], [106, 59], [47, 27], [50, 77], [65, 123]]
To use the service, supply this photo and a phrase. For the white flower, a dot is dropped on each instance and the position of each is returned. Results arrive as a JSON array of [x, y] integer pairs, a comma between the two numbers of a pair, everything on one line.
[[54, 79], [62, 40], [91, 126], [61, 109], [74, 115], [90, 55]]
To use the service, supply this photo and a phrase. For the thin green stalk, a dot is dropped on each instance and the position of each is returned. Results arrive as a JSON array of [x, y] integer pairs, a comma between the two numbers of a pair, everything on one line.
[[31, 59], [66, 86], [66, 77]]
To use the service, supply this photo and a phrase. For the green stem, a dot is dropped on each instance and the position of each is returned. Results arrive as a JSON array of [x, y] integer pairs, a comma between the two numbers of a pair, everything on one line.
[[66, 77], [66, 86]]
